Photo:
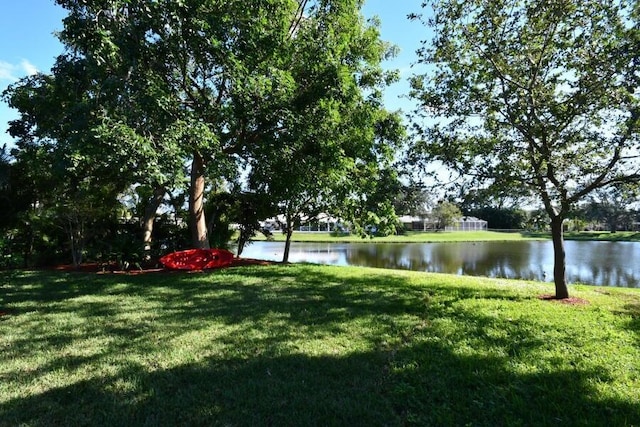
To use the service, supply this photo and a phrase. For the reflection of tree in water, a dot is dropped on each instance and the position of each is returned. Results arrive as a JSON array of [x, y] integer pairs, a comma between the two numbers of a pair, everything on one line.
[[318, 253], [610, 275], [477, 259], [393, 256], [604, 263], [495, 259]]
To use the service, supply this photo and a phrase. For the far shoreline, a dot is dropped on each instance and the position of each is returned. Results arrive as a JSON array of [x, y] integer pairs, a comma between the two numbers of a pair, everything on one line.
[[452, 237]]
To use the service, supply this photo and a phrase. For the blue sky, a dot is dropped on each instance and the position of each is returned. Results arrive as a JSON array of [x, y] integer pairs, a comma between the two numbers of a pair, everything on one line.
[[28, 43]]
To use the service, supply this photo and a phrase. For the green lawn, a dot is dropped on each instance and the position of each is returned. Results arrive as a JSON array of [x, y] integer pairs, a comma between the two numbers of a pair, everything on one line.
[[619, 236], [410, 237], [313, 345]]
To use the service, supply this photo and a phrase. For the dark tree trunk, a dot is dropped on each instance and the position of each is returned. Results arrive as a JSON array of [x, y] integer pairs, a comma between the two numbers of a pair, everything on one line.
[[150, 215], [287, 243], [198, 224], [559, 269]]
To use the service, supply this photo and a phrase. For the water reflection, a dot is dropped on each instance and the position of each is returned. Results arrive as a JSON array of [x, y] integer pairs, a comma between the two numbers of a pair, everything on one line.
[[597, 263]]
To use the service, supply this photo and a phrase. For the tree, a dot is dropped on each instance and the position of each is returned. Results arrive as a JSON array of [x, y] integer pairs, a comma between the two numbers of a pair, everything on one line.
[[611, 206], [242, 209], [105, 110], [541, 94], [7, 216], [145, 88], [74, 185], [125, 47], [411, 198], [445, 213], [328, 147]]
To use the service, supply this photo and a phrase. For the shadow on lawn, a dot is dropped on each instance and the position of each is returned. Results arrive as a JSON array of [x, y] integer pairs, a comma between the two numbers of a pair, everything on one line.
[[412, 373], [359, 389]]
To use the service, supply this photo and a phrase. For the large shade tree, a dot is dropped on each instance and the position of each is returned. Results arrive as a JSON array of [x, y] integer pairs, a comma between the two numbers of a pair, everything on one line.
[[175, 64], [542, 94]]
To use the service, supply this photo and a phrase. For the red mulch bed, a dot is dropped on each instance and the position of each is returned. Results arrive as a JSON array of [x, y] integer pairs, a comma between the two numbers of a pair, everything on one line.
[[113, 269], [568, 301]]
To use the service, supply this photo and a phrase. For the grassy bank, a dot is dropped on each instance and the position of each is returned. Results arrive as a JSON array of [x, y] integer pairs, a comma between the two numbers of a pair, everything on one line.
[[410, 237], [604, 236], [313, 345]]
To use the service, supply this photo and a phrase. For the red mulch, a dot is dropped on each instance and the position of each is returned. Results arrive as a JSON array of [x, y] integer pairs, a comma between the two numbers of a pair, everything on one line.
[[568, 301], [113, 269]]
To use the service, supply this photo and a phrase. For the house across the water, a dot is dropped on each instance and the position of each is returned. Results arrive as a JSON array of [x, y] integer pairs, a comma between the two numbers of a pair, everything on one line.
[[326, 223]]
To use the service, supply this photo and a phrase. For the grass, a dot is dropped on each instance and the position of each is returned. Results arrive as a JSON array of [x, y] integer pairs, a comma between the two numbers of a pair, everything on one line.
[[409, 237], [605, 236], [313, 345], [602, 236]]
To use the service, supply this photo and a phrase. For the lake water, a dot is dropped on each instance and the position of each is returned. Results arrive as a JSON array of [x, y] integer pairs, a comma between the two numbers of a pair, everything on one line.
[[594, 263]]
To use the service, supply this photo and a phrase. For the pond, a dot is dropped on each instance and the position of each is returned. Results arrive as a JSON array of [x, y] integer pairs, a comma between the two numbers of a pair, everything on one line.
[[594, 263]]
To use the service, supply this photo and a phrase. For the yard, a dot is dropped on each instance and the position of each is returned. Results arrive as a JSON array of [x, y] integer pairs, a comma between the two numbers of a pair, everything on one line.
[[313, 345]]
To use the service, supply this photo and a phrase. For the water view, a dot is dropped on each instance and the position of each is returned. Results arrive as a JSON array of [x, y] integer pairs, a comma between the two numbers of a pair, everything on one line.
[[593, 263]]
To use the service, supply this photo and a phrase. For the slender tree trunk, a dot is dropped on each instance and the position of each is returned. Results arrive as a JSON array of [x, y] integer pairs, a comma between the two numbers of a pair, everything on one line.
[[28, 249], [287, 243], [150, 215], [241, 243], [559, 269], [76, 239], [198, 224]]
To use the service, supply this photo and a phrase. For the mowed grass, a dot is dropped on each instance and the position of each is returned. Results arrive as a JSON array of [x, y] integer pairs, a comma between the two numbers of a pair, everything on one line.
[[305, 345], [605, 236], [409, 237]]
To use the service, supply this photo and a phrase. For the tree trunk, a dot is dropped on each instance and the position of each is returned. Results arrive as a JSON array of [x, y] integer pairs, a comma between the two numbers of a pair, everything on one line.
[[150, 216], [287, 243], [76, 239], [559, 276], [198, 224]]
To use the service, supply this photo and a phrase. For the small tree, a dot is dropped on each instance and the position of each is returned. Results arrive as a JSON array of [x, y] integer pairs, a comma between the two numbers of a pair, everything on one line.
[[445, 213], [244, 210], [611, 206], [326, 138], [538, 94]]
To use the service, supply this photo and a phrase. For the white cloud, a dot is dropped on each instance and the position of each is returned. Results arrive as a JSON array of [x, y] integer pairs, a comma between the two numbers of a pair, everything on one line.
[[13, 72], [28, 67]]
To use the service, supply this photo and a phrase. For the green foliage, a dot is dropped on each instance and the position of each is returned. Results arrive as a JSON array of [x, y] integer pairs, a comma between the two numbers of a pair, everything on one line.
[[333, 141], [411, 199], [611, 207], [290, 88], [501, 219], [444, 213], [241, 209]]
